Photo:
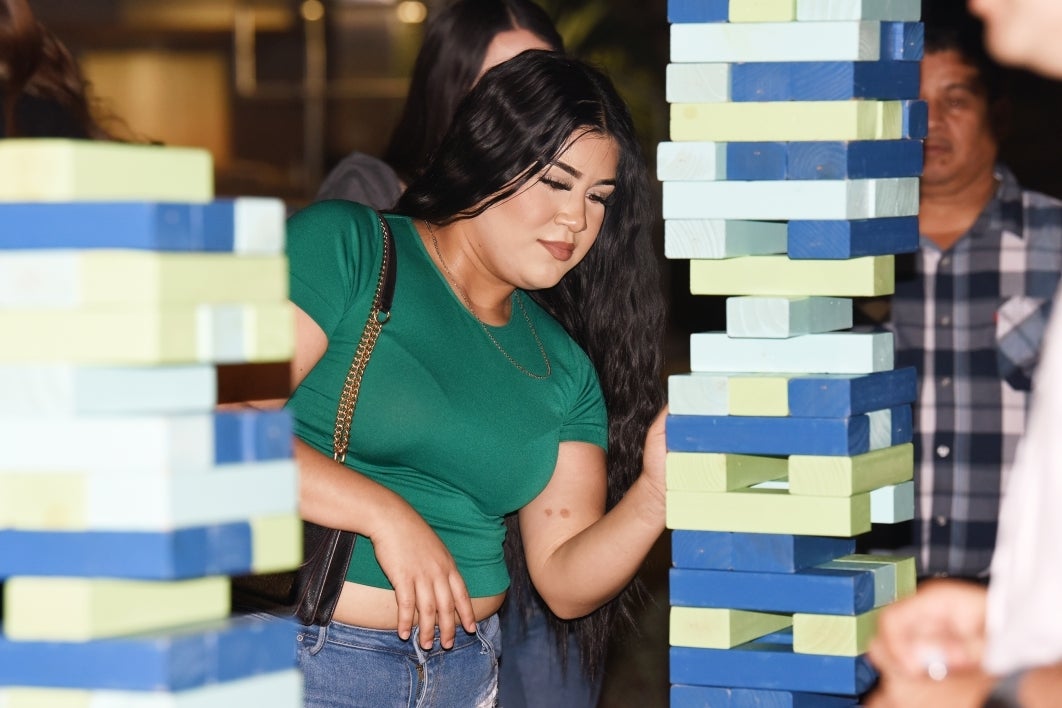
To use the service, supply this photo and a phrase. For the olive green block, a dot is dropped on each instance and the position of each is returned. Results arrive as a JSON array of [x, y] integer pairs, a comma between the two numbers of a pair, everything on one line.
[[276, 543], [719, 472], [763, 395], [832, 476], [715, 628], [768, 511], [834, 635]]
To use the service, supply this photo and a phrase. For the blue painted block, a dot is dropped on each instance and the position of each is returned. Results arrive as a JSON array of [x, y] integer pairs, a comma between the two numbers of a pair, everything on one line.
[[252, 435], [823, 81], [683, 11], [915, 119], [708, 550], [754, 552], [839, 395], [756, 161], [774, 667], [859, 159], [224, 549], [188, 657], [762, 81], [902, 41], [811, 590], [684, 696], [839, 240], [902, 425], [763, 435]]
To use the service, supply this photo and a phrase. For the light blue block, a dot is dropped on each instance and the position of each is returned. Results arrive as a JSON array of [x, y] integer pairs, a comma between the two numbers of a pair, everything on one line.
[[839, 240]]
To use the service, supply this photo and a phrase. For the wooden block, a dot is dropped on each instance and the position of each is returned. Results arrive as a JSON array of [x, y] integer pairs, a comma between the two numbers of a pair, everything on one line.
[[758, 395], [834, 476], [707, 550], [185, 658], [906, 578], [698, 394], [246, 225], [763, 435], [841, 10], [783, 317], [698, 83], [782, 276], [277, 543], [762, 10], [131, 502], [89, 278], [787, 120], [776, 41], [915, 119], [698, 10], [791, 199], [852, 239], [756, 161], [282, 689], [716, 472], [716, 238], [812, 590], [138, 334], [79, 609], [903, 41], [884, 575], [840, 395], [768, 511], [691, 161], [59, 170], [754, 552], [828, 353], [685, 696], [859, 159], [892, 504], [797, 81], [60, 390], [252, 435], [716, 628], [771, 666], [834, 635]]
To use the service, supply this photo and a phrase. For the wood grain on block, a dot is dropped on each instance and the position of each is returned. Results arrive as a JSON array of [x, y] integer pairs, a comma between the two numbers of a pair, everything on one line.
[[698, 394], [857, 159], [828, 353], [768, 511], [852, 239], [717, 472], [783, 276], [758, 395], [697, 83], [783, 317], [60, 170], [698, 10], [841, 10], [762, 10], [718, 628], [833, 635], [245, 225], [170, 660], [884, 575], [691, 161], [805, 81], [812, 590], [791, 199], [892, 504], [787, 121], [79, 609], [685, 696], [73, 279], [776, 41], [830, 475], [903, 41], [717, 238], [757, 161]]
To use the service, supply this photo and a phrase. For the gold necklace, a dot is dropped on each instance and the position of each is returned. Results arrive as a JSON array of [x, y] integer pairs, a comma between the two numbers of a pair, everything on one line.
[[483, 326]]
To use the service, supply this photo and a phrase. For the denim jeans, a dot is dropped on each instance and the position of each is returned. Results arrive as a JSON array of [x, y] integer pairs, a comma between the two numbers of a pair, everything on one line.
[[353, 667]]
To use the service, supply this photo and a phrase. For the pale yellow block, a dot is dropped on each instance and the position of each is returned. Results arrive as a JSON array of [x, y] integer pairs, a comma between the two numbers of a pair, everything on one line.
[[59, 170], [36, 501], [768, 511], [719, 472], [759, 395], [906, 571], [276, 543], [787, 121], [778, 275], [762, 11], [834, 635], [714, 628], [80, 609], [830, 476], [270, 333]]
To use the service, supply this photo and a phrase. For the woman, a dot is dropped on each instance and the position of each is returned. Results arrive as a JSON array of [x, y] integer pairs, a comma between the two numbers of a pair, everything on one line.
[[525, 277]]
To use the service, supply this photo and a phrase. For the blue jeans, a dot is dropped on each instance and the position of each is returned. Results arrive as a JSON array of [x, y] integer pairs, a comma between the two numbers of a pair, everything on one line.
[[354, 667]]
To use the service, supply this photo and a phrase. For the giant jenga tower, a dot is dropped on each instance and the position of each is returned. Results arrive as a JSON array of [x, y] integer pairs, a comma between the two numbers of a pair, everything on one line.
[[790, 181], [126, 498]]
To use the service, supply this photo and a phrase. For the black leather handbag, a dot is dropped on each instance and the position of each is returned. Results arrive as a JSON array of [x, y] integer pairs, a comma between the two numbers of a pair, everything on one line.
[[310, 592]]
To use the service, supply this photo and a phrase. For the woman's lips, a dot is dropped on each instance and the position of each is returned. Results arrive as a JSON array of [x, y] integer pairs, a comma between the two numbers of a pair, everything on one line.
[[559, 250]]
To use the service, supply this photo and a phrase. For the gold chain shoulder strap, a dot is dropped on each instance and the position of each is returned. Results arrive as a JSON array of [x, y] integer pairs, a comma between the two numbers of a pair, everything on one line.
[[379, 314]]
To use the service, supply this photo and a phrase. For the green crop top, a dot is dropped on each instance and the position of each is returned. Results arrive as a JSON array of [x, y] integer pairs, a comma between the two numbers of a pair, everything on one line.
[[443, 418]]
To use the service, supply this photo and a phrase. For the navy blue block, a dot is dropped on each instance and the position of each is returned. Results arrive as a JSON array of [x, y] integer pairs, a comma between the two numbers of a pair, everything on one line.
[[902, 41], [683, 696], [812, 590], [766, 435], [823, 81], [708, 550], [754, 552], [756, 161], [840, 395], [859, 159], [681, 11], [838, 240], [902, 425], [250, 436], [764, 81], [185, 658], [224, 549], [155, 226], [915, 119]]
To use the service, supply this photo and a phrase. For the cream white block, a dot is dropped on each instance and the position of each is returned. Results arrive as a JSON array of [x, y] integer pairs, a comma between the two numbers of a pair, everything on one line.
[[840, 10], [697, 83], [259, 225], [775, 41], [880, 429], [691, 161], [697, 394], [893, 504], [830, 353], [791, 199], [62, 390], [782, 317], [718, 238]]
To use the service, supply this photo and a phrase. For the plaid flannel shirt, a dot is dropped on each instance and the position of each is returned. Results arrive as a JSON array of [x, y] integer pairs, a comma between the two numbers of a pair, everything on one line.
[[971, 320]]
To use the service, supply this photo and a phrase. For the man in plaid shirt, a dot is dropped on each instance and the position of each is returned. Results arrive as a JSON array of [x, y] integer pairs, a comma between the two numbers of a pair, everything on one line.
[[969, 311]]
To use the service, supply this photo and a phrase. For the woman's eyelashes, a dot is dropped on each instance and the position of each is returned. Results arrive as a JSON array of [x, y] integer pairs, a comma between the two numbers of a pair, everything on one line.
[[566, 186]]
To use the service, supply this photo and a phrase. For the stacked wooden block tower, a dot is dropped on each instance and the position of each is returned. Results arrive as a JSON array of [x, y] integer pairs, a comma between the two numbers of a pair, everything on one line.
[[126, 498], [790, 182]]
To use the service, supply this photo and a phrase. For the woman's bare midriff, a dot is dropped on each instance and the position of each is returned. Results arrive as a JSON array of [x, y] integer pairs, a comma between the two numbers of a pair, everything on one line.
[[375, 608]]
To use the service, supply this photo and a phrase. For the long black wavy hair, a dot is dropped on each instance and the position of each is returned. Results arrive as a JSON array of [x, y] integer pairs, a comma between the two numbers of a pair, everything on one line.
[[519, 117], [450, 57]]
